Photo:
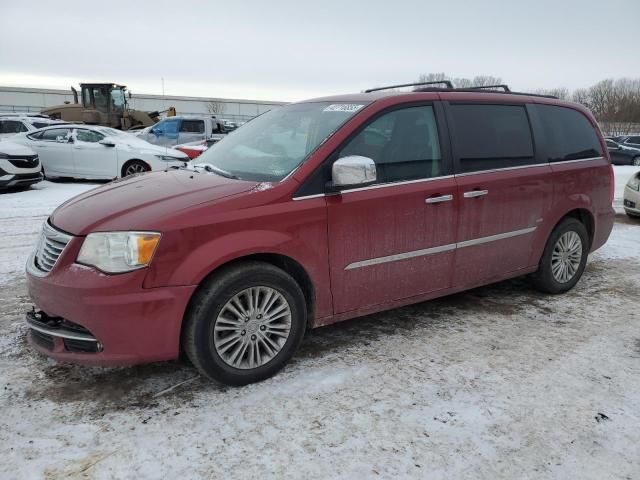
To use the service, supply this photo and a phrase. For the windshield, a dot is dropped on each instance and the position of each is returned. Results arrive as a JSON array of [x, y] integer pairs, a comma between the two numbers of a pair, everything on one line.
[[271, 146]]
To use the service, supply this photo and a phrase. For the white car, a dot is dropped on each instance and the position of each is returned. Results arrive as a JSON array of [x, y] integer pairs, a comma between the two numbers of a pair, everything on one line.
[[95, 152], [632, 196], [11, 125], [19, 166]]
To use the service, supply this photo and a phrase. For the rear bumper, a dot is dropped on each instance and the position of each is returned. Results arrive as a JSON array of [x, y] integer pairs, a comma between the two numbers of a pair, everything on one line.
[[121, 323], [19, 179], [603, 227]]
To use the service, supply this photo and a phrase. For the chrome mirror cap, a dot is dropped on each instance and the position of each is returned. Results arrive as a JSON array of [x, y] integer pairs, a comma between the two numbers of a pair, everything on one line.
[[353, 170]]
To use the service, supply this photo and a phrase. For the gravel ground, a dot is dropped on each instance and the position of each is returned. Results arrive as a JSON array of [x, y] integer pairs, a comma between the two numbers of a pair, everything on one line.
[[498, 382]]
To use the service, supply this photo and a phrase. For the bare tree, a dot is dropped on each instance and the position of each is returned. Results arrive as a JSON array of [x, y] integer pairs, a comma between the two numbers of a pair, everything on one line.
[[561, 92], [461, 82]]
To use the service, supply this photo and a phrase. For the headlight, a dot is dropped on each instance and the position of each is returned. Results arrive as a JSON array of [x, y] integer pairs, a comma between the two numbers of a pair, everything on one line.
[[169, 158], [634, 183], [117, 252]]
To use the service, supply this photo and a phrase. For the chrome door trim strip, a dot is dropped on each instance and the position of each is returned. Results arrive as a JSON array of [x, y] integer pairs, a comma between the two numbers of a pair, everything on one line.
[[493, 170], [479, 172], [377, 185], [493, 238], [401, 256], [578, 160], [440, 249]]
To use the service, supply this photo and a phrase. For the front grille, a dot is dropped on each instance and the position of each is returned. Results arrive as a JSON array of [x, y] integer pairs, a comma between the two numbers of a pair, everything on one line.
[[51, 244], [42, 339], [24, 161]]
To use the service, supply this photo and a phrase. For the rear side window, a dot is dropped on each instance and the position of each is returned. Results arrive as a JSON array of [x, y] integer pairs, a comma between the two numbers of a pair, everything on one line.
[[569, 135], [55, 134], [192, 126], [633, 140], [488, 137], [12, 126]]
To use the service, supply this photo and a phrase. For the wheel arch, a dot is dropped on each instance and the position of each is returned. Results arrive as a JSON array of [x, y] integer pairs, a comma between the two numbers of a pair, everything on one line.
[[283, 262]]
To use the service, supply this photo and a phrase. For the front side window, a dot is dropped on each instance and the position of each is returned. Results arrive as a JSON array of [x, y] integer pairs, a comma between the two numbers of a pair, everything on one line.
[[568, 133], [88, 136], [488, 137], [192, 126], [12, 126], [55, 134], [271, 146], [403, 144]]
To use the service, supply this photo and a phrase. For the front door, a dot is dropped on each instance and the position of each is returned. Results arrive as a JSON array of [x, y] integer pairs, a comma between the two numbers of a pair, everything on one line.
[[91, 158], [504, 191], [394, 239]]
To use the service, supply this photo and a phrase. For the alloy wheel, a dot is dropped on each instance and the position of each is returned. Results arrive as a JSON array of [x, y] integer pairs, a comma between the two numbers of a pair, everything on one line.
[[134, 168], [252, 327], [566, 257]]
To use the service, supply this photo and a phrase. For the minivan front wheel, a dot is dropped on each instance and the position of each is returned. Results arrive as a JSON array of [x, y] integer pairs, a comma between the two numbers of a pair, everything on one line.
[[244, 323], [564, 257]]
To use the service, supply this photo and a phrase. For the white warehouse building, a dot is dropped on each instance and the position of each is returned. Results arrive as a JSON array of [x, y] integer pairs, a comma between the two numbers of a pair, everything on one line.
[[18, 99]]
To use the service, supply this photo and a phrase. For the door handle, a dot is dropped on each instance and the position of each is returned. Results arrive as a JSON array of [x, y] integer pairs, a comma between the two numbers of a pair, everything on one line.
[[476, 193], [440, 199]]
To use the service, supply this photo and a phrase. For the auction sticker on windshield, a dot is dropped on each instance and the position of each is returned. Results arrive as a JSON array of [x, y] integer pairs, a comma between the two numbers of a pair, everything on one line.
[[343, 107]]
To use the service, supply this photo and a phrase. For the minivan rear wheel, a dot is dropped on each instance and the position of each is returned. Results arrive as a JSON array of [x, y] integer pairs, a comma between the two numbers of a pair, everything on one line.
[[564, 257], [244, 323]]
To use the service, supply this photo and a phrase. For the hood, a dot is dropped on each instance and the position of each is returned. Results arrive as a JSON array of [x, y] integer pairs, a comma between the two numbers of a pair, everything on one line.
[[141, 202], [9, 147], [133, 142]]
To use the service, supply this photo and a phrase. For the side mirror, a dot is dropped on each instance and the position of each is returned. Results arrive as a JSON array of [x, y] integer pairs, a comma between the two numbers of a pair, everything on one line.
[[107, 142], [351, 171]]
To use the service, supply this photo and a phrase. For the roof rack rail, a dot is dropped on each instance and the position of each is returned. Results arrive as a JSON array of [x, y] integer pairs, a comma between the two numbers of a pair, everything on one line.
[[440, 82], [505, 88]]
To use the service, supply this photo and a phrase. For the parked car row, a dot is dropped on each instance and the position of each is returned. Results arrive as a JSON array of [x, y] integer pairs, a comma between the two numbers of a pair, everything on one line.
[[624, 153], [11, 124]]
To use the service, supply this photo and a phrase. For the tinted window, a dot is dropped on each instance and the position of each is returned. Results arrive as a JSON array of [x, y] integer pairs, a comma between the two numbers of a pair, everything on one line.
[[611, 144], [403, 144], [633, 140], [88, 136], [54, 134], [487, 137], [569, 135], [12, 126], [192, 126]]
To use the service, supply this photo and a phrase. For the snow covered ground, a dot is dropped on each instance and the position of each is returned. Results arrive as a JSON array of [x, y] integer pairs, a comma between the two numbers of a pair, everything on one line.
[[498, 382]]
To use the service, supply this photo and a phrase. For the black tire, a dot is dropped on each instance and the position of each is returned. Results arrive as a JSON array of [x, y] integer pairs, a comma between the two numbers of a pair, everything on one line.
[[208, 302], [544, 279], [635, 216], [635, 161], [133, 167]]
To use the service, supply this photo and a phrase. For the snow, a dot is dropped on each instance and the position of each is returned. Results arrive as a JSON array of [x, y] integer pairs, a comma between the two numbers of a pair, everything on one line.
[[498, 382]]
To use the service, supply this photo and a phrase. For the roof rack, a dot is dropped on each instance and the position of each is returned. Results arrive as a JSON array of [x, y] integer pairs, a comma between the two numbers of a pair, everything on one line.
[[440, 82], [450, 88], [505, 88]]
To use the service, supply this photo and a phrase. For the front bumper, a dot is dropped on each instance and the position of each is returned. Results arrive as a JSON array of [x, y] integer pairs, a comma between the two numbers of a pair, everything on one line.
[[19, 179], [121, 322]]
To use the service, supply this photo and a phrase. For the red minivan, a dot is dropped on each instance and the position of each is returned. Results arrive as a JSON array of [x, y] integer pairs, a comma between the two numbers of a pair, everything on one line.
[[317, 212]]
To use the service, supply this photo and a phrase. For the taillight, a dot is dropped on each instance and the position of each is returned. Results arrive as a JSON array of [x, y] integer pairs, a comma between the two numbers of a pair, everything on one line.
[[612, 184]]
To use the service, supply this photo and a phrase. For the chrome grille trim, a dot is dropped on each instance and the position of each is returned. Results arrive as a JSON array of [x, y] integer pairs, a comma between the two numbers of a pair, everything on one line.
[[49, 247]]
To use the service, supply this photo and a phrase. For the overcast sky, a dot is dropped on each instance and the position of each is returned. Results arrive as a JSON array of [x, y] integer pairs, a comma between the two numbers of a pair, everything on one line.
[[289, 50]]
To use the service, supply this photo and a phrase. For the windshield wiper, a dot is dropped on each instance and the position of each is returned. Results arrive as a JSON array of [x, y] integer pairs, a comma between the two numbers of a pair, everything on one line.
[[223, 173], [199, 167]]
